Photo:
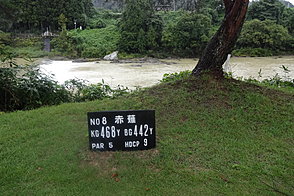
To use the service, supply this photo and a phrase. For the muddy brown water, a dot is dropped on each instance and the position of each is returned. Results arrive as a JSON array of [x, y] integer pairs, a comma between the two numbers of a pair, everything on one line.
[[143, 74]]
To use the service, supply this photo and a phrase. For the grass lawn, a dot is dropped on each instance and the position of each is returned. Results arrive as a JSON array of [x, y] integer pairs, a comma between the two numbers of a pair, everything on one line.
[[214, 137]]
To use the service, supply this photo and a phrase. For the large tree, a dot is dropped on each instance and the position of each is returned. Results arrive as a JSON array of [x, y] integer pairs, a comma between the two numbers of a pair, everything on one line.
[[223, 42]]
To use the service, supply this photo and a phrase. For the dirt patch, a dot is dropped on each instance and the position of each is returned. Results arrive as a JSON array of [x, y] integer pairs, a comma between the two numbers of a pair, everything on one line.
[[108, 162]]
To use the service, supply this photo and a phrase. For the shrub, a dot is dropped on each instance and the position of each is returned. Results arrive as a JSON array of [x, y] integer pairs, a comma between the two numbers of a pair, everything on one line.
[[264, 34], [23, 88], [170, 77], [189, 35], [28, 88]]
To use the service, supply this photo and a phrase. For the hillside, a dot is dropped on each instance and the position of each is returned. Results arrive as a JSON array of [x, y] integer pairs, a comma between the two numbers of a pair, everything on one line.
[[213, 137]]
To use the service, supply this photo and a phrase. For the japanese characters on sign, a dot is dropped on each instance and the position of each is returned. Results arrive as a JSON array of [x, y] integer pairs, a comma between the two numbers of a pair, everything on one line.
[[121, 130]]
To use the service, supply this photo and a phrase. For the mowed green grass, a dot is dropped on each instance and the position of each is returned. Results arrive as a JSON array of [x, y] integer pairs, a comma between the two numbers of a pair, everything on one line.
[[214, 137]]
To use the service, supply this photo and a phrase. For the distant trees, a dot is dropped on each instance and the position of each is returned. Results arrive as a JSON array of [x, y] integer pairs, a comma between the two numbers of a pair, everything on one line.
[[264, 34], [272, 10], [189, 35], [266, 10], [31, 15], [7, 14], [140, 27]]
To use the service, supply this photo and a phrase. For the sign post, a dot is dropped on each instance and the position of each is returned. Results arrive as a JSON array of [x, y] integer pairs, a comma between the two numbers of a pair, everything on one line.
[[121, 130]]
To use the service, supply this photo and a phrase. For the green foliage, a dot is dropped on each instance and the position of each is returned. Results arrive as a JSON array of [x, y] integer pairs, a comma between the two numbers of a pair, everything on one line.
[[31, 15], [172, 77], [6, 51], [216, 14], [81, 91], [28, 47], [92, 43], [29, 90], [276, 82], [7, 14], [62, 20], [27, 42], [253, 52], [102, 41], [5, 40], [189, 35], [272, 10], [285, 83], [170, 18], [266, 10], [65, 44], [103, 18], [13, 46], [264, 34], [99, 24], [101, 91], [29, 52], [140, 28], [96, 91], [24, 88], [288, 20]]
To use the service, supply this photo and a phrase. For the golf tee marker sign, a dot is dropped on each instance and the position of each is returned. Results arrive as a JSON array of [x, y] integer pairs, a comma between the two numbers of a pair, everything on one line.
[[121, 130]]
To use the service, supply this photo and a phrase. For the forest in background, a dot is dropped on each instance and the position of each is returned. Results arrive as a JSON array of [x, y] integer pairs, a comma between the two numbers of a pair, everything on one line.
[[139, 30]]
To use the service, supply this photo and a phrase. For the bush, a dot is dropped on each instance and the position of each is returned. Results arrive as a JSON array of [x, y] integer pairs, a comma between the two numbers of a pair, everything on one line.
[[170, 77], [188, 36], [27, 88], [264, 34]]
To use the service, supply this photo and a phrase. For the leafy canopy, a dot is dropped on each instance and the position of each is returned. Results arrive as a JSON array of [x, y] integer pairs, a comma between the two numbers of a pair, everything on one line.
[[140, 28]]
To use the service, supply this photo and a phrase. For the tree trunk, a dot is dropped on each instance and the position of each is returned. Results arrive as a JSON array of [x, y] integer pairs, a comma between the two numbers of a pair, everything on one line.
[[223, 42]]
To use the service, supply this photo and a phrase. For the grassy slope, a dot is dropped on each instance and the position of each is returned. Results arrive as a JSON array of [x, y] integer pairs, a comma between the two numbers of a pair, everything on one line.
[[214, 138]]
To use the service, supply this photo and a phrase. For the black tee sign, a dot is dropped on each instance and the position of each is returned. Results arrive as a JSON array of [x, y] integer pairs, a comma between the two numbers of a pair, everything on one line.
[[121, 130]]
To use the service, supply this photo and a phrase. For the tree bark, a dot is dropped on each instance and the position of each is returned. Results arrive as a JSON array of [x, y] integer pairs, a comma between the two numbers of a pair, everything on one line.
[[223, 42]]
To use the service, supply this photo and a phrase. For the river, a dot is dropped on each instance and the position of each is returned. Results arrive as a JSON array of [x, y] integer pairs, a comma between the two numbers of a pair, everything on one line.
[[147, 73]]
